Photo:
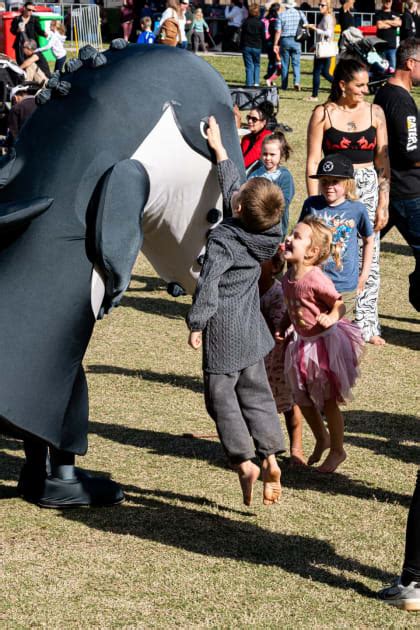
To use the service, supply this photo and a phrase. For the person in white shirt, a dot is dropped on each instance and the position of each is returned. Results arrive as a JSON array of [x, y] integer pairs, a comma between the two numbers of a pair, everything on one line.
[[235, 16], [56, 38]]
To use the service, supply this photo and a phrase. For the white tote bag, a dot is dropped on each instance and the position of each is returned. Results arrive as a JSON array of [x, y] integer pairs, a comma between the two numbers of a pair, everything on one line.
[[326, 49]]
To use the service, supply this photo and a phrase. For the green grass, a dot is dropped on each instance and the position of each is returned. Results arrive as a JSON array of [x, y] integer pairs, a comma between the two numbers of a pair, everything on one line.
[[182, 551]]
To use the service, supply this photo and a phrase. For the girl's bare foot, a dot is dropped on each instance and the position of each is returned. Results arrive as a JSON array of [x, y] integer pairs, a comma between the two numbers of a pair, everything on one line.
[[248, 474], [271, 474], [320, 447], [332, 461], [376, 340], [297, 458]]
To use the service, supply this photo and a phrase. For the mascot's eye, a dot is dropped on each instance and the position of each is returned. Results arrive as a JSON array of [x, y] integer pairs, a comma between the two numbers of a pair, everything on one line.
[[204, 125], [213, 215], [200, 260], [175, 289]]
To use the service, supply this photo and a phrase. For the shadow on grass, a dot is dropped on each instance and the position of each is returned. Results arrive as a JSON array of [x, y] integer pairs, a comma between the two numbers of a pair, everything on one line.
[[388, 247], [150, 284], [176, 380], [392, 431], [400, 337], [395, 427], [407, 320], [218, 536], [169, 308], [160, 443], [10, 465]]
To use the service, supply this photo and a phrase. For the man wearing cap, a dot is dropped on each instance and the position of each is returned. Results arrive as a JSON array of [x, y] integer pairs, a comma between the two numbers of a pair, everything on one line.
[[402, 119], [290, 49]]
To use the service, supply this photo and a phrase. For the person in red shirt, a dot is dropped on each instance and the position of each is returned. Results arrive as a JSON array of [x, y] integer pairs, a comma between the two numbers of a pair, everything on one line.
[[259, 120]]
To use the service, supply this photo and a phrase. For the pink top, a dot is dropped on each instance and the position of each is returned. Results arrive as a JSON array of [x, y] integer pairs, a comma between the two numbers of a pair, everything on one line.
[[307, 298]]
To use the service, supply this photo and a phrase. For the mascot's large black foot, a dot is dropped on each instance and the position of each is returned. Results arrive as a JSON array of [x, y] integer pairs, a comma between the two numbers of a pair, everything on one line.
[[79, 491]]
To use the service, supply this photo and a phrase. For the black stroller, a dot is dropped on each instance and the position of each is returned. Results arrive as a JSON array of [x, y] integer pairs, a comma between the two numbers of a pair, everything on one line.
[[368, 50]]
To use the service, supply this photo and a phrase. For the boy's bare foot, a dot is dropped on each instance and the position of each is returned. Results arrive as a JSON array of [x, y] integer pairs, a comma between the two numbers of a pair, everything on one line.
[[332, 461], [297, 458], [271, 474], [248, 474], [320, 447]]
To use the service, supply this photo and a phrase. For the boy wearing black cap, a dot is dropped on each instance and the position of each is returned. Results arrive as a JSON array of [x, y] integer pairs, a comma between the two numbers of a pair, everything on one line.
[[338, 207]]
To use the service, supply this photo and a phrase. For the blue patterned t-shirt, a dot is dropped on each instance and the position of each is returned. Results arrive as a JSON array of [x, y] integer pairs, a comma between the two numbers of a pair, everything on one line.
[[348, 220]]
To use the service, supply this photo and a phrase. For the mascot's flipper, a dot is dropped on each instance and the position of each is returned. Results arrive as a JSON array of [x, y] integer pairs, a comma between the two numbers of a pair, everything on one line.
[[14, 214], [118, 235]]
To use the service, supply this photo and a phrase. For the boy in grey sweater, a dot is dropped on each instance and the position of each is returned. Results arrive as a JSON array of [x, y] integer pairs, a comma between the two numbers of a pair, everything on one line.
[[226, 313]]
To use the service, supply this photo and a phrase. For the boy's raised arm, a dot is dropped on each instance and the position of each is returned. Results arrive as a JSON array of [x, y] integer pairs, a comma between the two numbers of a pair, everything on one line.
[[229, 178]]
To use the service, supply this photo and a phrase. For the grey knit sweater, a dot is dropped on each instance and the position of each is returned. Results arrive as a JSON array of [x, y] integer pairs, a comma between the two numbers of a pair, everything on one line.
[[226, 303]]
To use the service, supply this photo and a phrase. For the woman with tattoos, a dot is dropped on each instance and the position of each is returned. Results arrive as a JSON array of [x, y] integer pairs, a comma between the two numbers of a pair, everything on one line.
[[348, 124]]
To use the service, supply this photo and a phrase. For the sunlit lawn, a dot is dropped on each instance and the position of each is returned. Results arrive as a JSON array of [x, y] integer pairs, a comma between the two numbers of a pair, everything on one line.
[[183, 551]]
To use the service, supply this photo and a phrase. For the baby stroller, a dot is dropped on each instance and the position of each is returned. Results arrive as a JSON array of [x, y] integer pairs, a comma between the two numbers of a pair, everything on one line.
[[368, 50]]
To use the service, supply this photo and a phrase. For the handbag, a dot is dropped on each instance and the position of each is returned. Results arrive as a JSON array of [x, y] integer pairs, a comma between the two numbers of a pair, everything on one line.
[[302, 34], [169, 33], [326, 49], [236, 37]]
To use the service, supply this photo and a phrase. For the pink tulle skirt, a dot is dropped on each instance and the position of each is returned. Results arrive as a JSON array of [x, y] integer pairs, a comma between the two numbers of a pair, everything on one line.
[[325, 366]]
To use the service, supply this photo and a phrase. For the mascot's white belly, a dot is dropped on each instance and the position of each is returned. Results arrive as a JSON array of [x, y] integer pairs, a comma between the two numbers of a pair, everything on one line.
[[183, 188]]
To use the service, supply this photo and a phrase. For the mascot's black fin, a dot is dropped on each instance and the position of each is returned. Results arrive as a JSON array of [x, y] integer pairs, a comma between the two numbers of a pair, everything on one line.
[[118, 235], [12, 214], [118, 44]]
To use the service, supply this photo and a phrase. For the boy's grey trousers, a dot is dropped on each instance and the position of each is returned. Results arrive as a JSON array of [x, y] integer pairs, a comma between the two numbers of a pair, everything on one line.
[[243, 408]]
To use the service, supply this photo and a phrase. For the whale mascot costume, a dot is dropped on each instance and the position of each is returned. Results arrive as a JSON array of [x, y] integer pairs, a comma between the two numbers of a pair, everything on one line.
[[115, 159]]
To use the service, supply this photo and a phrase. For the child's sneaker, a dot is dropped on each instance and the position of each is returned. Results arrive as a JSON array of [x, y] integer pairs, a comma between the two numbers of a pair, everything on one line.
[[403, 597]]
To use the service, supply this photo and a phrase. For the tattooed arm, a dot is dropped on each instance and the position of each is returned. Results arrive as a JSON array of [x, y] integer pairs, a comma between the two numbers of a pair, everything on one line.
[[315, 135], [382, 168]]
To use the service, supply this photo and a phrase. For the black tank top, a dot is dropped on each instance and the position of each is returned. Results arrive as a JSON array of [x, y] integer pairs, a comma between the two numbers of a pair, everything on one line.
[[359, 146]]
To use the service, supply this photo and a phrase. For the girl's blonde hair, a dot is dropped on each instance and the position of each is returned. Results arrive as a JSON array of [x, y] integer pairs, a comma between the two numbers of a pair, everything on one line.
[[198, 13], [330, 8], [350, 189], [254, 10], [322, 238], [59, 26]]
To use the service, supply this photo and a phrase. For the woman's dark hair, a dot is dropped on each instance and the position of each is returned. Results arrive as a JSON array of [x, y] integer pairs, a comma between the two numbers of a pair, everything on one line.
[[344, 71], [273, 10], [266, 110]]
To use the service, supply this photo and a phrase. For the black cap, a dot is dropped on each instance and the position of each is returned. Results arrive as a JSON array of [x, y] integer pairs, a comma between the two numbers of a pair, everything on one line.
[[335, 165]]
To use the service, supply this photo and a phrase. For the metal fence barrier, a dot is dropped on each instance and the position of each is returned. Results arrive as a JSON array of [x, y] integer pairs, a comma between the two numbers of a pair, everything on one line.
[[85, 26]]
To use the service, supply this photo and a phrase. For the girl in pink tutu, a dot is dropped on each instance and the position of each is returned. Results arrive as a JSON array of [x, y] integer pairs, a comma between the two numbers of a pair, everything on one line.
[[321, 363]]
